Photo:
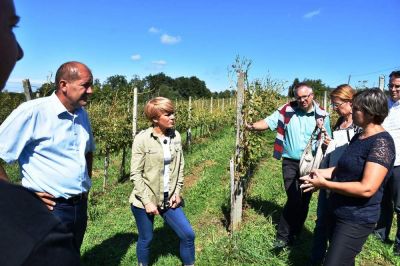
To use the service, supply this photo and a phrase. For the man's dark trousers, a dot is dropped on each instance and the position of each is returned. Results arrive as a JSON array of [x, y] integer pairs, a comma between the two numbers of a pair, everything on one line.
[[295, 210], [73, 214], [390, 202]]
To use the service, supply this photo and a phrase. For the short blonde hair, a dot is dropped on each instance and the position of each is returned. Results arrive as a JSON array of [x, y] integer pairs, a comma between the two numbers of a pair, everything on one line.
[[344, 92], [156, 106]]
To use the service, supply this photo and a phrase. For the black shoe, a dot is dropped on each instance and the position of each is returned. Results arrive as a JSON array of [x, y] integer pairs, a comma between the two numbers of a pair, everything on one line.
[[396, 249], [379, 237], [280, 244]]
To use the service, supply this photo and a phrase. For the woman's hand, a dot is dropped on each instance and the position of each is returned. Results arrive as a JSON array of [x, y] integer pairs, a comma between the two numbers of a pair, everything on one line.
[[312, 181], [175, 201], [151, 208]]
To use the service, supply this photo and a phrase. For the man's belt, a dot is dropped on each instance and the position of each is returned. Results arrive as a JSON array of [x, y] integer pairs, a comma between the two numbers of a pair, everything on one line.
[[74, 199]]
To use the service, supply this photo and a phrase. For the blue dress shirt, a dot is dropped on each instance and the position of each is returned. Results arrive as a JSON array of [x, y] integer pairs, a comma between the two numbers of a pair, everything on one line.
[[50, 145]]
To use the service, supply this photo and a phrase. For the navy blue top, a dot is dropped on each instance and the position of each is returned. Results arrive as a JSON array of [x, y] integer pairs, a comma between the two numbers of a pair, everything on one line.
[[378, 148]]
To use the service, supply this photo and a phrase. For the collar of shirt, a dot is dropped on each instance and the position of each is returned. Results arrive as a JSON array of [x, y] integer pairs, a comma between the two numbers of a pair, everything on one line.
[[59, 108], [393, 104]]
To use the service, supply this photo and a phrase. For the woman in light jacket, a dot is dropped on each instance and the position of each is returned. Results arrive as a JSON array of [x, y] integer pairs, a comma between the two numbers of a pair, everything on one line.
[[157, 174]]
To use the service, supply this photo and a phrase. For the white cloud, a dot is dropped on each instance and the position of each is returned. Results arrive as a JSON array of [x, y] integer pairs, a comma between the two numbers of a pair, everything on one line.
[[159, 63], [136, 57], [168, 39], [312, 14], [154, 30]]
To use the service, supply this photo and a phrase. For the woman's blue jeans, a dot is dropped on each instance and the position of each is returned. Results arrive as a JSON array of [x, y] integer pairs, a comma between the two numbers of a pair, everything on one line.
[[177, 220]]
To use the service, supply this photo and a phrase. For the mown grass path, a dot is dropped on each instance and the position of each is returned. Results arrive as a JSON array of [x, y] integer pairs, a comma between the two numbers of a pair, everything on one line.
[[111, 235]]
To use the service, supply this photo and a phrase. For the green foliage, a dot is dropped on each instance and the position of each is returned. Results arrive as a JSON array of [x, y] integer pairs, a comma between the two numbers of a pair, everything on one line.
[[260, 101], [46, 89], [8, 102], [111, 124]]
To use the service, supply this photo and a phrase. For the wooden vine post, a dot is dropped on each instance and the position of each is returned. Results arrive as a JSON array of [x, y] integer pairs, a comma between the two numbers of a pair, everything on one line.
[[134, 114], [27, 89], [382, 83], [189, 130], [236, 181]]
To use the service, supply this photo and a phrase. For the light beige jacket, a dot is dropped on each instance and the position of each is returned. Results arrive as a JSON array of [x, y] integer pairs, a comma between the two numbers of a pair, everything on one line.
[[147, 168]]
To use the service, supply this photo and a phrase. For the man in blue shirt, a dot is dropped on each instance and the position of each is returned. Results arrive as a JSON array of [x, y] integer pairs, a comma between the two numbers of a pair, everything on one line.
[[52, 141], [391, 195], [294, 123]]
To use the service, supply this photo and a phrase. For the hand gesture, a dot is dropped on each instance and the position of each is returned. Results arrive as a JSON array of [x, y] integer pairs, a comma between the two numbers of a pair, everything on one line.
[[313, 181]]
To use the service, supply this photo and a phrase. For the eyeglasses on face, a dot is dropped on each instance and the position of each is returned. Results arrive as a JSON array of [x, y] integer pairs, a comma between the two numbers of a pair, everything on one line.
[[303, 98], [337, 105], [391, 85]]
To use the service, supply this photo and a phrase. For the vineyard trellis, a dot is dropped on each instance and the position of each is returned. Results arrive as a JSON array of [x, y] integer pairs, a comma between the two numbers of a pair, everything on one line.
[[116, 121]]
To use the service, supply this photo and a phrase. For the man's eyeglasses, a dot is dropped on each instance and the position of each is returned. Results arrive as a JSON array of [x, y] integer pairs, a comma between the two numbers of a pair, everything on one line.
[[337, 105], [390, 85], [303, 98]]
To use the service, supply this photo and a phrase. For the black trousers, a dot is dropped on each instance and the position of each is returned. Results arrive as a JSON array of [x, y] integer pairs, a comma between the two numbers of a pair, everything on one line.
[[346, 241], [295, 210], [390, 202]]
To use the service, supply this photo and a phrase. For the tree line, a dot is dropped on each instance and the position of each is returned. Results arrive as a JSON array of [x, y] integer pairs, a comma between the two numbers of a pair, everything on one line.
[[151, 85]]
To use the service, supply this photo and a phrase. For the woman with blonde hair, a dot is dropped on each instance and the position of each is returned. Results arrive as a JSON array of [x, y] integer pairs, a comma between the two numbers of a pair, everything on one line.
[[343, 132], [157, 174]]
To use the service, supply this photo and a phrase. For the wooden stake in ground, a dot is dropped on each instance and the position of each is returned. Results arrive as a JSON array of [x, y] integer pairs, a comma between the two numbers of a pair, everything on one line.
[[134, 114], [27, 89], [237, 187], [189, 130]]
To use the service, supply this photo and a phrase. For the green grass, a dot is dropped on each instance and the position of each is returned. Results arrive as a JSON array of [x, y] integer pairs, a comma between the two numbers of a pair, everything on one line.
[[111, 235]]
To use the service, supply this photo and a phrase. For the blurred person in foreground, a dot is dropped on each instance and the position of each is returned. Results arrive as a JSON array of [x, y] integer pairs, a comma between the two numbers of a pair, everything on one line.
[[30, 234], [157, 174], [391, 194], [294, 123], [343, 132], [356, 183]]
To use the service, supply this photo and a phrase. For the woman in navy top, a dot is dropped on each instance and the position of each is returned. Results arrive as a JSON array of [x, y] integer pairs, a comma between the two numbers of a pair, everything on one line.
[[356, 183]]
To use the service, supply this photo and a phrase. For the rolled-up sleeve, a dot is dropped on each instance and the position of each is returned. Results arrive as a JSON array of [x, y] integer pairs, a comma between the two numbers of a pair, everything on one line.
[[272, 120], [15, 133]]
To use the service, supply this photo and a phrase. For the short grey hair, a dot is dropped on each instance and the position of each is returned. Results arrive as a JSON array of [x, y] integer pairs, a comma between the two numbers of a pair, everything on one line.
[[372, 102]]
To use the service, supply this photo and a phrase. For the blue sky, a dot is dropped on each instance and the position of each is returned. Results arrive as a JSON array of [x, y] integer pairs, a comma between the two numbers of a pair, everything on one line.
[[317, 39]]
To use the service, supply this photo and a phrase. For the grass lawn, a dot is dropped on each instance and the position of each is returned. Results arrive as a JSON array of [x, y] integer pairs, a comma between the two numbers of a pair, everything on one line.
[[111, 235]]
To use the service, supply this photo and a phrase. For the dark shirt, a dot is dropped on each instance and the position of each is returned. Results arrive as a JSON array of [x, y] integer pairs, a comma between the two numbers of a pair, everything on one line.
[[378, 148], [29, 233]]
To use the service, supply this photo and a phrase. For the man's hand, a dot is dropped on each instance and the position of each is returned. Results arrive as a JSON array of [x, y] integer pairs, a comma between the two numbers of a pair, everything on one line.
[[175, 201], [46, 198], [3, 174], [151, 208], [257, 126]]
